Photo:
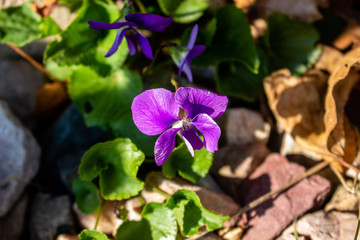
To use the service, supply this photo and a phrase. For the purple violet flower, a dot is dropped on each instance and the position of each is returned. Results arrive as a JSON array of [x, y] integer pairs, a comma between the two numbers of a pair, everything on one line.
[[152, 22], [159, 111], [189, 54]]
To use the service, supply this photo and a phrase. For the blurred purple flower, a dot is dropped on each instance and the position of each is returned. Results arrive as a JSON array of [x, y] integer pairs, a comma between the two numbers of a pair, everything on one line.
[[152, 22], [191, 52], [156, 110]]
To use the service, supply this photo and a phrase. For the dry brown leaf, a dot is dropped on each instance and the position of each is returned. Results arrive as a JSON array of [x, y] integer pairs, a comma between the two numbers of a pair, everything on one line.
[[304, 10], [342, 135], [244, 4], [297, 104], [351, 35], [51, 100], [312, 108], [328, 59]]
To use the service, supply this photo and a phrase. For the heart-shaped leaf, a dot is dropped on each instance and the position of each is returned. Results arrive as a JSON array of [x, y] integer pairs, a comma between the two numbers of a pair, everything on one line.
[[116, 163], [191, 215], [81, 45], [184, 11], [188, 167], [92, 235], [87, 196], [232, 40], [158, 222], [103, 100], [291, 44], [20, 25]]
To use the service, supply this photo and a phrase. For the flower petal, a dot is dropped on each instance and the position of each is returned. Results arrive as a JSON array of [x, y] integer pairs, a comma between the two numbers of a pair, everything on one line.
[[209, 129], [154, 111], [195, 101], [131, 41], [152, 22], [195, 51], [164, 145], [115, 25], [192, 38], [191, 139], [119, 37], [185, 67], [145, 45]]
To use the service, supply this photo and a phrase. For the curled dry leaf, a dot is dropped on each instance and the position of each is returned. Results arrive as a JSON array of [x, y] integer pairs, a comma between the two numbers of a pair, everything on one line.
[[297, 104], [304, 10], [311, 108], [351, 35], [342, 136], [328, 59]]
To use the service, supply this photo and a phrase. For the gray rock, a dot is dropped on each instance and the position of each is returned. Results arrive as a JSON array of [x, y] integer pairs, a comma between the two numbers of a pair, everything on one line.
[[19, 82], [233, 164], [50, 216], [20, 155], [243, 127], [11, 225], [323, 226]]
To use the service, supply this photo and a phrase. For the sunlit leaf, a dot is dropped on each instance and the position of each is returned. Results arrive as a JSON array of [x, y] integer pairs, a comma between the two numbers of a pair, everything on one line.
[[184, 11], [20, 25], [116, 163], [87, 196], [232, 40], [81, 45], [191, 168], [157, 223], [92, 235], [103, 100], [191, 215]]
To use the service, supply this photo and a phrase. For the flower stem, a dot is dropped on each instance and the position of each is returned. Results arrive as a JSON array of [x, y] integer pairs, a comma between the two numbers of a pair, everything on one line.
[[141, 6], [358, 225], [32, 61], [99, 214]]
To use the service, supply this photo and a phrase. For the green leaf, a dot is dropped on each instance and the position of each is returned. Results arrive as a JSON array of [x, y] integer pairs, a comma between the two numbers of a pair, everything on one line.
[[157, 223], [188, 167], [232, 40], [116, 163], [92, 235], [87, 196], [124, 127], [73, 4], [234, 79], [184, 11], [191, 215], [81, 45], [20, 25], [102, 100], [291, 44]]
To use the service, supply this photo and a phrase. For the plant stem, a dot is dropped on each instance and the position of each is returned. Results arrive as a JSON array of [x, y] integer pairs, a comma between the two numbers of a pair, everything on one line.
[[268, 195], [358, 225], [99, 214], [31, 60], [141, 6]]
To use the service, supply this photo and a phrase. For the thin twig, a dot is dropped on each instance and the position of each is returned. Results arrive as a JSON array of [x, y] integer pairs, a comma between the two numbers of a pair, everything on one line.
[[32, 61], [341, 179], [348, 165], [358, 225], [268, 195]]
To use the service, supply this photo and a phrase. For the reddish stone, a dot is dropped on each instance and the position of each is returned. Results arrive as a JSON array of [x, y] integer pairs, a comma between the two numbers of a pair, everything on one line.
[[267, 220]]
